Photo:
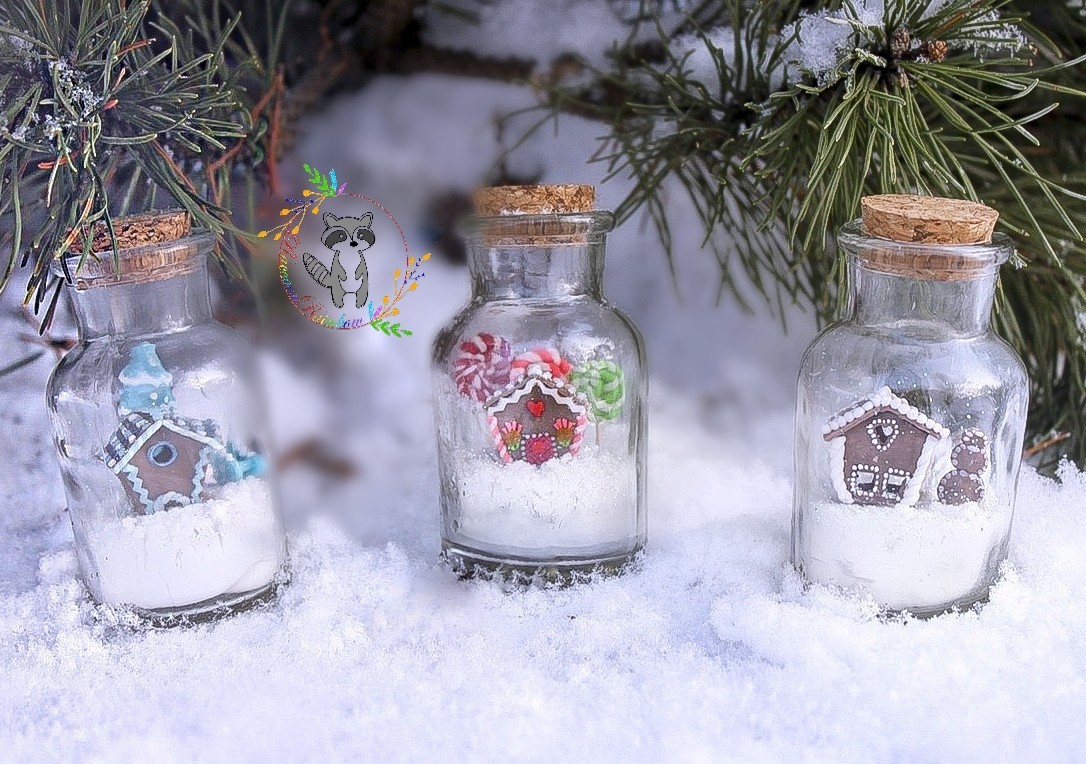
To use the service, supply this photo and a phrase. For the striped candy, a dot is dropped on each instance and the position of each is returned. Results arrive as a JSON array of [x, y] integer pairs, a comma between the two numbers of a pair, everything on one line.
[[603, 385], [548, 358], [482, 365]]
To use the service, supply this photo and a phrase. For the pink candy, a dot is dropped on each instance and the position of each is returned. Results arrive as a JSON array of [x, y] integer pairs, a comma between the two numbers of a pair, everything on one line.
[[482, 366], [546, 357]]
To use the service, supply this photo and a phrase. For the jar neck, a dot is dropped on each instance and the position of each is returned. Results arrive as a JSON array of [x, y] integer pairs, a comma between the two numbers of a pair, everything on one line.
[[503, 271], [154, 307], [545, 256], [922, 306]]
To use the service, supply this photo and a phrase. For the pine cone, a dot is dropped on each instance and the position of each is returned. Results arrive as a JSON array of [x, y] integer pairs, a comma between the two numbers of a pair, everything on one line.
[[935, 50], [900, 42]]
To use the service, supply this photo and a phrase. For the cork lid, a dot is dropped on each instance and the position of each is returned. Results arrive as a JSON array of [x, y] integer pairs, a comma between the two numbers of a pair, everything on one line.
[[928, 237], [151, 246], [535, 200], [537, 216]]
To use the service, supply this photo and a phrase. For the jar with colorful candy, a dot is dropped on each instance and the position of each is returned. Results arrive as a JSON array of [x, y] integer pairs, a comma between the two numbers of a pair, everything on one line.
[[539, 396]]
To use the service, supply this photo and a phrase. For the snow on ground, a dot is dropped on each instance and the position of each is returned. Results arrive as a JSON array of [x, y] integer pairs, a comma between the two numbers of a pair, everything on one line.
[[711, 650]]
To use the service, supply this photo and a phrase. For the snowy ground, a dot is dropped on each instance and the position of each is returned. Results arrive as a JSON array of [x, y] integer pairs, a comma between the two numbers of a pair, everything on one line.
[[712, 650]]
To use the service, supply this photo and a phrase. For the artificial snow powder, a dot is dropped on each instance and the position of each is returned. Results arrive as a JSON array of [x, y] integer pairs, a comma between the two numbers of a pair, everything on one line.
[[904, 557], [580, 502], [228, 545]]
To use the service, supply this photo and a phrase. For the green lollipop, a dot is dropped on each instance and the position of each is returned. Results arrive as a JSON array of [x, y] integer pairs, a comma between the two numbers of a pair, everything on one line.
[[602, 384]]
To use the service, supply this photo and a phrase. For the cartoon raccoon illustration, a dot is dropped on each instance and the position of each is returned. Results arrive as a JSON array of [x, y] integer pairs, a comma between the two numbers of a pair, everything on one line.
[[348, 238]]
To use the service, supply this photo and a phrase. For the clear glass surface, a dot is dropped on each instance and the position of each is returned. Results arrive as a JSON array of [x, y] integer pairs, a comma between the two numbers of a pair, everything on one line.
[[525, 487], [158, 417], [909, 430]]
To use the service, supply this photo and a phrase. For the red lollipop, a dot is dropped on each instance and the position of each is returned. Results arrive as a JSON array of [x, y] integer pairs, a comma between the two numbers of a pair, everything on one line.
[[482, 365]]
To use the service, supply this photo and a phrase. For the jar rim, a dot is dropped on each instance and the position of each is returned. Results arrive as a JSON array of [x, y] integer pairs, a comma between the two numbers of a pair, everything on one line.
[[537, 229], [136, 265]]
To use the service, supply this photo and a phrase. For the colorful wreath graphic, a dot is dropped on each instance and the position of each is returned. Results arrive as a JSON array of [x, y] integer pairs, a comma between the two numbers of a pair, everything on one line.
[[404, 280]]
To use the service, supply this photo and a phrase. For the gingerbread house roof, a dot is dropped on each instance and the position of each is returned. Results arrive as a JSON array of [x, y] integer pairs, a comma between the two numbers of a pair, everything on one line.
[[536, 377], [882, 401], [138, 427]]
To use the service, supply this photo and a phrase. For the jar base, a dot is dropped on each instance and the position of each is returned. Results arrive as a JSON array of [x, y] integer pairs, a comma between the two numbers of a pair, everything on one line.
[[567, 571], [209, 610], [966, 602]]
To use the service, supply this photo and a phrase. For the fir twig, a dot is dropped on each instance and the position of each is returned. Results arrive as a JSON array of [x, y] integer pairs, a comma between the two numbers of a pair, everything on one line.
[[94, 91], [809, 110]]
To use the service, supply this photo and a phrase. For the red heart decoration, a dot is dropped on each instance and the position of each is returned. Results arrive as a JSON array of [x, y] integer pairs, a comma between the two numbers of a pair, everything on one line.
[[535, 408]]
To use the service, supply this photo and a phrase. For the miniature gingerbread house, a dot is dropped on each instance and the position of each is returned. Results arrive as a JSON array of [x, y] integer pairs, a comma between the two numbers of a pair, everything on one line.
[[882, 449], [536, 418], [164, 462]]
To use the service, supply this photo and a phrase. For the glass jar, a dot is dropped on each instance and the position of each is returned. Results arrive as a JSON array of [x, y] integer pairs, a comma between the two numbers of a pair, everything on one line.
[[159, 419], [539, 397], [909, 429]]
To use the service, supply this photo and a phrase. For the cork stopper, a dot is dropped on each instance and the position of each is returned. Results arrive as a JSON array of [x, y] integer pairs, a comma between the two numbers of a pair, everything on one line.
[[940, 239], [143, 229], [537, 216], [151, 246], [535, 200], [928, 219]]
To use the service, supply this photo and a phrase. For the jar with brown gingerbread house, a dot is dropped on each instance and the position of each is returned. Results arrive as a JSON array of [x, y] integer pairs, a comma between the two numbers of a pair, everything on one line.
[[911, 414], [158, 415]]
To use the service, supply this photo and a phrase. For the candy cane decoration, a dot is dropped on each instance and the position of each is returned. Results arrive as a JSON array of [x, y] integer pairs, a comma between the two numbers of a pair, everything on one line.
[[482, 365]]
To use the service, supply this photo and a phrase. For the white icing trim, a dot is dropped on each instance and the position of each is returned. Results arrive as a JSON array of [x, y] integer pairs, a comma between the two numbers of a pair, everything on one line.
[[139, 442], [883, 400], [534, 379], [837, 458]]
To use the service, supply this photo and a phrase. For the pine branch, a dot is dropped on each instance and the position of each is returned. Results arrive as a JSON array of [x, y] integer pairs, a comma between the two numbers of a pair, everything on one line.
[[93, 91], [803, 111]]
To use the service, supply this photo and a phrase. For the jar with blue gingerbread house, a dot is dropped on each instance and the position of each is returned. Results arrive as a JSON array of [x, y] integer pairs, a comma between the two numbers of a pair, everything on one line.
[[911, 414], [539, 396], [158, 418]]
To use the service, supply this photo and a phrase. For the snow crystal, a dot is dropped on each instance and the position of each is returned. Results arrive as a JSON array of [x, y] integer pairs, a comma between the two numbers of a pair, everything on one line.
[[821, 40], [74, 84], [26, 48], [51, 127], [824, 39]]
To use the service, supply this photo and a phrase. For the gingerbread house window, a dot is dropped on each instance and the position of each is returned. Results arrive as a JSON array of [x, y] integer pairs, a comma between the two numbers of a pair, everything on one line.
[[162, 454]]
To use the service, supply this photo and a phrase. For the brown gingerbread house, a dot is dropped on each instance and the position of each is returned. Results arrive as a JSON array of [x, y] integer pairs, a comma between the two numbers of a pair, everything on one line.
[[163, 462], [536, 418], [882, 450]]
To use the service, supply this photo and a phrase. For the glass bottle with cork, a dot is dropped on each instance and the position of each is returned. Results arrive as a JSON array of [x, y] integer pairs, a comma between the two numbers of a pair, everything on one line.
[[158, 417], [539, 396], [911, 413]]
